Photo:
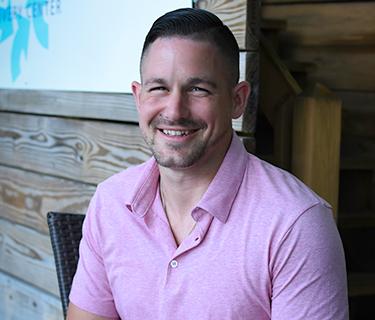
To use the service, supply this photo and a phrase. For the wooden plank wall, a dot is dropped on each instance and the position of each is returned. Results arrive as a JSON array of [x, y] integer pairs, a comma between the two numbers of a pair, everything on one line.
[[54, 148]]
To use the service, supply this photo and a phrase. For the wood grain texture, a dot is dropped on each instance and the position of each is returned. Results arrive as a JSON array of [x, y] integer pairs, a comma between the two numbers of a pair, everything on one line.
[[241, 16], [26, 197], [326, 24], [20, 301], [108, 106], [87, 151], [27, 254], [316, 142]]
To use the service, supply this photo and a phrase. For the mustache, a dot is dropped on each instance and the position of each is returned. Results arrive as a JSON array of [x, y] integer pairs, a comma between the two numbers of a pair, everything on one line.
[[183, 122]]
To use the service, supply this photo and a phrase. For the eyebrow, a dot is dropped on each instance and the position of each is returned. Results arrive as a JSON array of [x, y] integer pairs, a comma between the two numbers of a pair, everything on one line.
[[191, 81], [154, 80], [198, 80]]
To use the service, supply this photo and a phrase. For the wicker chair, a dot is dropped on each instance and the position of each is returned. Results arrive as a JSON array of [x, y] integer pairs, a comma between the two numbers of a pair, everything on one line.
[[65, 232]]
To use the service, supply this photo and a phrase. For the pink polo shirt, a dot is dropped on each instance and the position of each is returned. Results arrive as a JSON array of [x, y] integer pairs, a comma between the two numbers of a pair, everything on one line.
[[264, 247]]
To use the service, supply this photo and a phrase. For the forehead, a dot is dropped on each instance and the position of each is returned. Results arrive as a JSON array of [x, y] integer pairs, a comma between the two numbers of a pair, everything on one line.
[[167, 46], [183, 54]]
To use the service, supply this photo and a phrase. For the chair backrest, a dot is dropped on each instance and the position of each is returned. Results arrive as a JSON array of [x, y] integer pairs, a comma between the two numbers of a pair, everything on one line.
[[65, 232]]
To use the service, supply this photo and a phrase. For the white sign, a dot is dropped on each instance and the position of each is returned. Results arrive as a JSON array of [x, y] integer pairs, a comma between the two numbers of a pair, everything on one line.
[[79, 45]]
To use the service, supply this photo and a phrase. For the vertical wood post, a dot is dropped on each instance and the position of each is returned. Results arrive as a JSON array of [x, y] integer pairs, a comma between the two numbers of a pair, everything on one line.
[[316, 142]]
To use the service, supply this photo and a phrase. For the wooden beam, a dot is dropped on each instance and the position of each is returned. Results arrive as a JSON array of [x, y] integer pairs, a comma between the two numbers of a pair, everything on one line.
[[335, 24], [316, 142], [26, 197], [88, 151], [277, 85], [27, 254], [20, 301], [106, 106]]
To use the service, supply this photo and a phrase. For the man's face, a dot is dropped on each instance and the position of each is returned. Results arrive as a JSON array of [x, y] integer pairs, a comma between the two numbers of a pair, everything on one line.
[[186, 102]]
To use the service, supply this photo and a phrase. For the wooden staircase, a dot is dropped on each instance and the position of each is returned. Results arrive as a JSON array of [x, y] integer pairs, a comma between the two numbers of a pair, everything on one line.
[[352, 171]]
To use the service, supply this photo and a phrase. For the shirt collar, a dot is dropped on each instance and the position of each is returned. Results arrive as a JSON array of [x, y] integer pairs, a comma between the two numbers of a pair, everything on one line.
[[145, 189], [218, 198]]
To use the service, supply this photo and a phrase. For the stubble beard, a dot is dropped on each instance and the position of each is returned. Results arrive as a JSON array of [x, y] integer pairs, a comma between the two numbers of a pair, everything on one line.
[[176, 156]]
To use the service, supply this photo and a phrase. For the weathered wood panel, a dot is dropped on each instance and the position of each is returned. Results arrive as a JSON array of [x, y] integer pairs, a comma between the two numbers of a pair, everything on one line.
[[27, 255], [109, 106], [19, 301], [241, 16], [26, 197], [87, 151], [326, 24]]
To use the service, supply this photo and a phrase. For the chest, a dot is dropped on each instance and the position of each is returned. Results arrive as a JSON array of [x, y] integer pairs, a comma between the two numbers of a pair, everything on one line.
[[211, 275]]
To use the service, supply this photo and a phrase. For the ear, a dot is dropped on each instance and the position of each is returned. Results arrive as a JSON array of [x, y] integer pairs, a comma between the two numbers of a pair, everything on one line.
[[136, 89], [241, 93]]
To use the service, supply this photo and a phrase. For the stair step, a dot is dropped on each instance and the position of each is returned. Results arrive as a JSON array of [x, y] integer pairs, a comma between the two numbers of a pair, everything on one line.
[[356, 220], [300, 67], [273, 25], [361, 284]]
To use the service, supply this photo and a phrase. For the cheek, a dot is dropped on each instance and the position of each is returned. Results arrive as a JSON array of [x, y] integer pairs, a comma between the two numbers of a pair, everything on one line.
[[147, 114]]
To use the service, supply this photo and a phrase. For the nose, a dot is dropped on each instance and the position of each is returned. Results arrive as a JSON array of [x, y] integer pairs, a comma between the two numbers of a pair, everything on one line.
[[176, 106]]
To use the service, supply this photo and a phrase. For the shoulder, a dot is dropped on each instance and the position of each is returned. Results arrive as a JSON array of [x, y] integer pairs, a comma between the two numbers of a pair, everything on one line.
[[275, 200], [279, 187], [125, 181]]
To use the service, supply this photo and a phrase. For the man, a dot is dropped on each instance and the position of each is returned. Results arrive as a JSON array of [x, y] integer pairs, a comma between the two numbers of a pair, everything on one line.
[[204, 230]]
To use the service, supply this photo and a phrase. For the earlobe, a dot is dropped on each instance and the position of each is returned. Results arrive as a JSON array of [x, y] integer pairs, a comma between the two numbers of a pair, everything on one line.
[[136, 89], [241, 94]]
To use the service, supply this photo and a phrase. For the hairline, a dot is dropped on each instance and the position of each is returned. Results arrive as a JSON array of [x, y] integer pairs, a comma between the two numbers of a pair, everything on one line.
[[198, 37]]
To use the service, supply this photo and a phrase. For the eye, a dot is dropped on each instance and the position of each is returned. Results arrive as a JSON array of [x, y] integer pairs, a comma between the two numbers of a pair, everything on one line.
[[159, 88], [199, 91]]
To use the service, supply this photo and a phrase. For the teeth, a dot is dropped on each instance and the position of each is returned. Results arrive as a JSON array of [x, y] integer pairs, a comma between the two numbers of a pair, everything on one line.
[[175, 132]]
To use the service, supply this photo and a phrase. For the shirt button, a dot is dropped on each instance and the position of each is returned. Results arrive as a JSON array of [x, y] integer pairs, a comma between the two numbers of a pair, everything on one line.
[[174, 264]]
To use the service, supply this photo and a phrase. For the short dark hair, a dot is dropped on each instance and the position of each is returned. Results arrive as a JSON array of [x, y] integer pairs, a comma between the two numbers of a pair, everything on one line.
[[197, 24]]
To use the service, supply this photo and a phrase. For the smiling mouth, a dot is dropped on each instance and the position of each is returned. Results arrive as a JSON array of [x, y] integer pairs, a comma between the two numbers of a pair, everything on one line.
[[177, 133]]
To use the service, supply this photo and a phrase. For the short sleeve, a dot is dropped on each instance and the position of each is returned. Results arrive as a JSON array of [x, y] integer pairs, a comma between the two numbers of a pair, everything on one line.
[[90, 288], [308, 270]]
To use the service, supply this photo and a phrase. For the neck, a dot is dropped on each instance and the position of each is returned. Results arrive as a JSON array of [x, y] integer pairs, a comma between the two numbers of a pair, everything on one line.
[[182, 188]]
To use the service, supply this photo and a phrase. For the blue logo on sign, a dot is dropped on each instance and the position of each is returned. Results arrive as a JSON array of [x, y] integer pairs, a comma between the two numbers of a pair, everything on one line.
[[31, 13]]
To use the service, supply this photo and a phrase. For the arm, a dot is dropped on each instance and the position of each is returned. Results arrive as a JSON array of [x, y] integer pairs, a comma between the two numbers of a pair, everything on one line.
[[308, 270], [91, 290], [75, 313]]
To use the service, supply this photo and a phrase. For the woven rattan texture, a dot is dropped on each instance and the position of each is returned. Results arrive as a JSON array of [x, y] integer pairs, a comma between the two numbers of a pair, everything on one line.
[[66, 233]]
